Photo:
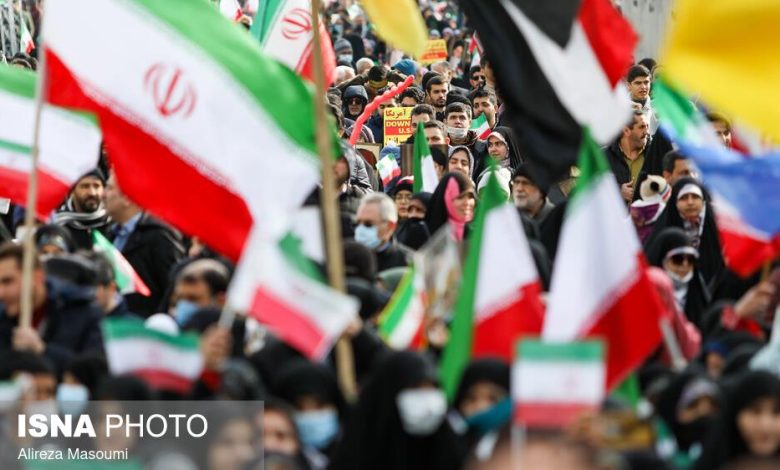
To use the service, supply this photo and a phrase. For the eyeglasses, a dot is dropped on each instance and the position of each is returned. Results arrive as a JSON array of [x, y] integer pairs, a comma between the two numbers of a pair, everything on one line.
[[679, 259]]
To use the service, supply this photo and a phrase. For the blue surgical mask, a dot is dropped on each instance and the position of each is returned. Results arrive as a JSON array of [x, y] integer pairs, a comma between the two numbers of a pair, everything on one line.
[[345, 58], [317, 428], [491, 418], [184, 311], [72, 398], [368, 236]]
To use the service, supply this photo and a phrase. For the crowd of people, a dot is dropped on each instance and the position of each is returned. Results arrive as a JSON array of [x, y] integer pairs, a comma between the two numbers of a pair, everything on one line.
[[713, 410]]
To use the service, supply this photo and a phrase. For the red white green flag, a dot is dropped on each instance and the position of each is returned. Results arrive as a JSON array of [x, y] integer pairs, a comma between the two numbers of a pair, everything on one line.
[[127, 280], [274, 284], [69, 143], [198, 123], [599, 287], [285, 33], [169, 362], [401, 322], [481, 127], [554, 383], [495, 305]]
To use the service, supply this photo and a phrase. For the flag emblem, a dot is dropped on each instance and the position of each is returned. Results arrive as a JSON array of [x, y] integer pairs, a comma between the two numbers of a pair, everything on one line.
[[172, 94]]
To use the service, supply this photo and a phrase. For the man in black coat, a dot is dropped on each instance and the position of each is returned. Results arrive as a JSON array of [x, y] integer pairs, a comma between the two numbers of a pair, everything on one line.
[[65, 318], [83, 211], [149, 245]]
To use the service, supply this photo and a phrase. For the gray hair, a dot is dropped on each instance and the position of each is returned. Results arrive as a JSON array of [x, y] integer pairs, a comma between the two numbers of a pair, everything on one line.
[[387, 210]]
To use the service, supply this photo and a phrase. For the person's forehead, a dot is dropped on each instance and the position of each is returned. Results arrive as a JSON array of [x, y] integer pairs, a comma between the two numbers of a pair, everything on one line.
[[457, 114], [436, 86], [89, 180], [9, 266], [433, 131], [639, 80], [368, 211]]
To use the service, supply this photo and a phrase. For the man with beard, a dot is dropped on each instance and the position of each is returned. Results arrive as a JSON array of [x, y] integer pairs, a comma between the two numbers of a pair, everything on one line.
[[436, 90], [83, 211]]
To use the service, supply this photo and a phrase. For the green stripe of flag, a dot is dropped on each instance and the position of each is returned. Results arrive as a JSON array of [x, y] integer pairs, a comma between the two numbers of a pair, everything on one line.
[[458, 350], [421, 150], [241, 56], [14, 147], [580, 351], [398, 305], [132, 328], [102, 244], [17, 81]]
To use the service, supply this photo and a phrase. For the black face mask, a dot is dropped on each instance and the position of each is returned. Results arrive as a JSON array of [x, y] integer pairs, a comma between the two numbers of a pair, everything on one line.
[[694, 432]]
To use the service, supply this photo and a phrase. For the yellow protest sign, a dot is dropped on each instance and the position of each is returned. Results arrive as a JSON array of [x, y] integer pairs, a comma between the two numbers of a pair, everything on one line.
[[398, 124], [435, 51]]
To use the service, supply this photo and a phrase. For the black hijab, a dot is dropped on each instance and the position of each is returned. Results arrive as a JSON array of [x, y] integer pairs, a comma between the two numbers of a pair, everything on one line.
[[374, 436], [300, 378], [711, 263], [490, 370], [668, 404], [698, 298], [727, 443], [514, 156], [437, 214]]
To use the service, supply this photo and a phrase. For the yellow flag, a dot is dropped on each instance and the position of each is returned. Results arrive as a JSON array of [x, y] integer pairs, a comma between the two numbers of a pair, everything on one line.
[[726, 50], [399, 23]]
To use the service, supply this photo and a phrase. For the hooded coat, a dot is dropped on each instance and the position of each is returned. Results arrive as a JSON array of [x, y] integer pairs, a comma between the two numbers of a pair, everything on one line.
[[354, 91], [374, 436]]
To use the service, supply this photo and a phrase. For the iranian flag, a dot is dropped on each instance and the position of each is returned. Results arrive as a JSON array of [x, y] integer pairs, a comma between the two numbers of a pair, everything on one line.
[[495, 305], [274, 284], [163, 361], [26, 42], [599, 287], [401, 322], [127, 280], [554, 383], [69, 143], [285, 32], [425, 177], [388, 169], [481, 127], [193, 135]]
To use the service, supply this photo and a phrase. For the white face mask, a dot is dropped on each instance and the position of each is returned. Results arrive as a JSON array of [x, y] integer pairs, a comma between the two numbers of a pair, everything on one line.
[[456, 132], [422, 410], [680, 280]]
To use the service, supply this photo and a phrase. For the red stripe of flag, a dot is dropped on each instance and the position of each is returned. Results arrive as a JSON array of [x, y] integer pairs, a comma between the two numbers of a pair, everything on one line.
[[611, 37]]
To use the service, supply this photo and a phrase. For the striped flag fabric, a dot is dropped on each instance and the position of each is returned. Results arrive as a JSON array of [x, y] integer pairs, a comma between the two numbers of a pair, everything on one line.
[[26, 42], [388, 169], [163, 361], [600, 259], [285, 33], [127, 280], [425, 177], [554, 383], [69, 143], [481, 127], [495, 306], [401, 322], [550, 39], [272, 285], [743, 185], [192, 108]]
